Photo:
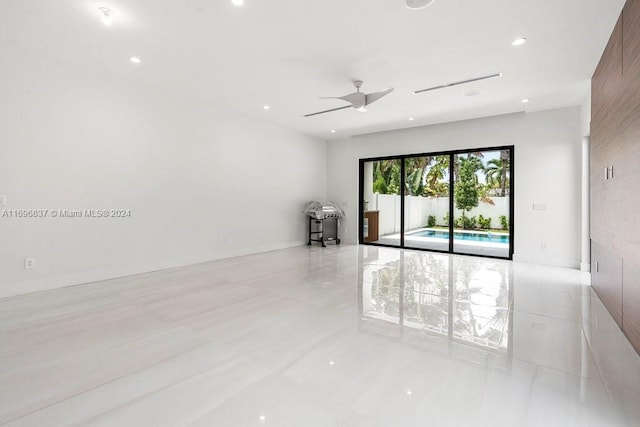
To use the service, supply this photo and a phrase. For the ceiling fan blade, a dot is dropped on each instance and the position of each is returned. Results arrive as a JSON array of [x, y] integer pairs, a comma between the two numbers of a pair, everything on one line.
[[373, 97], [356, 99], [327, 111]]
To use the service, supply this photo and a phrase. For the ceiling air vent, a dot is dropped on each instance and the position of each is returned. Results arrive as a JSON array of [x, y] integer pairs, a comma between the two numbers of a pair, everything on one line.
[[462, 82]]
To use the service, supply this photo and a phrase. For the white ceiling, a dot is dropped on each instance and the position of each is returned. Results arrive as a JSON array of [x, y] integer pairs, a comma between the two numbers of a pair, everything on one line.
[[287, 53]]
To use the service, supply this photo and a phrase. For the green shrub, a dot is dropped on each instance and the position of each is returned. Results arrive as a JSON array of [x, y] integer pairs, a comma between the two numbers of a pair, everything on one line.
[[484, 223], [431, 221], [445, 220], [504, 222], [465, 222], [469, 223]]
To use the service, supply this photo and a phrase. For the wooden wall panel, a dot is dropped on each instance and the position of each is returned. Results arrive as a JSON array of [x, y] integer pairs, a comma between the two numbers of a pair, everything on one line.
[[607, 87], [626, 163], [606, 279], [631, 42], [631, 62], [603, 201], [615, 202], [629, 228], [631, 303], [606, 84]]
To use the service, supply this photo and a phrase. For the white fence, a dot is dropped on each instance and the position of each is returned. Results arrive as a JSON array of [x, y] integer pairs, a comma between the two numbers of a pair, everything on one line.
[[419, 208]]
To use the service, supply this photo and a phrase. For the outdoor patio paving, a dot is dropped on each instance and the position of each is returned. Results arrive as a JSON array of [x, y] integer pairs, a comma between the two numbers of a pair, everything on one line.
[[438, 244]]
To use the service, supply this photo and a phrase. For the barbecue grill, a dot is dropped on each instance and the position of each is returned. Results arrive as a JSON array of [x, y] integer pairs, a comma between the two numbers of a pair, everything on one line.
[[323, 221]]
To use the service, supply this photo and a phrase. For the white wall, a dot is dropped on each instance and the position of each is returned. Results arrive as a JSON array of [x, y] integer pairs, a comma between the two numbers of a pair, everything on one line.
[[546, 171], [201, 182], [419, 208]]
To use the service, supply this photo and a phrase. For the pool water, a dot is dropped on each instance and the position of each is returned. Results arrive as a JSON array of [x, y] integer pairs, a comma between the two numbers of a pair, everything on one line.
[[462, 235]]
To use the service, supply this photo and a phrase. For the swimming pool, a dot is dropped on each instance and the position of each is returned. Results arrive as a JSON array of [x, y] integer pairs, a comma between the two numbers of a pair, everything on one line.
[[463, 235]]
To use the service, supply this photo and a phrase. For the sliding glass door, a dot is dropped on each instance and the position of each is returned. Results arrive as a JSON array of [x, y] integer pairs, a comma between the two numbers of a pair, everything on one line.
[[457, 202], [482, 203], [380, 202], [426, 202]]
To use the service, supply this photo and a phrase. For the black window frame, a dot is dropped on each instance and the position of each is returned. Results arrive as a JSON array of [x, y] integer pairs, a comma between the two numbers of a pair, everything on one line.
[[451, 154]]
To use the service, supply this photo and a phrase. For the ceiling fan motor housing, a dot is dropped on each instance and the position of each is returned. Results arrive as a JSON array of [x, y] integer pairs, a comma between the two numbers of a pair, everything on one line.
[[357, 99], [418, 4]]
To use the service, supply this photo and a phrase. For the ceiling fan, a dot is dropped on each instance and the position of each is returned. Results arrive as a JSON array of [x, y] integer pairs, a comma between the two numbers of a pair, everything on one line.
[[357, 99]]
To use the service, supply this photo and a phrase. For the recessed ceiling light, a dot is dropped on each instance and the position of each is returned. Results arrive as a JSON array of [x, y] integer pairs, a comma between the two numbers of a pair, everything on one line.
[[411, 119], [237, 2], [418, 4], [525, 100], [409, 392], [266, 107], [262, 418], [362, 109], [519, 41], [333, 131], [135, 60], [106, 16]]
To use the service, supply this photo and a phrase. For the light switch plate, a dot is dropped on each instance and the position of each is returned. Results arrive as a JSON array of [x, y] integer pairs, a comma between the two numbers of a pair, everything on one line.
[[539, 207], [3, 200]]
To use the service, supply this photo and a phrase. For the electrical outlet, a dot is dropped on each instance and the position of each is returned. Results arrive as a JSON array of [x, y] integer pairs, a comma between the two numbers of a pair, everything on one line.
[[227, 240], [29, 263], [543, 245], [3, 200]]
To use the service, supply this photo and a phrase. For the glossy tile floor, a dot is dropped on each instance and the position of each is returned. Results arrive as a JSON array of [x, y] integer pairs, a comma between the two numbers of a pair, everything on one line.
[[340, 336]]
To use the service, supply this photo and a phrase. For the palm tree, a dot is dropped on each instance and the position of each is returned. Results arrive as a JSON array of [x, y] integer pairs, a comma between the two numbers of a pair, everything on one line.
[[493, 172], [505, 158], [415, 174], [496, 172], [437, 172], [386, 177]]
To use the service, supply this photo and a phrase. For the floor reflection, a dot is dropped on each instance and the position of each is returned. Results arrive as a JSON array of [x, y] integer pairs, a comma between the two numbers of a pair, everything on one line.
[[437, 301]]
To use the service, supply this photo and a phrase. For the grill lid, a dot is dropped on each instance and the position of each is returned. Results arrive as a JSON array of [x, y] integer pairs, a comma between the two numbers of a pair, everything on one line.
[[323, 210]]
